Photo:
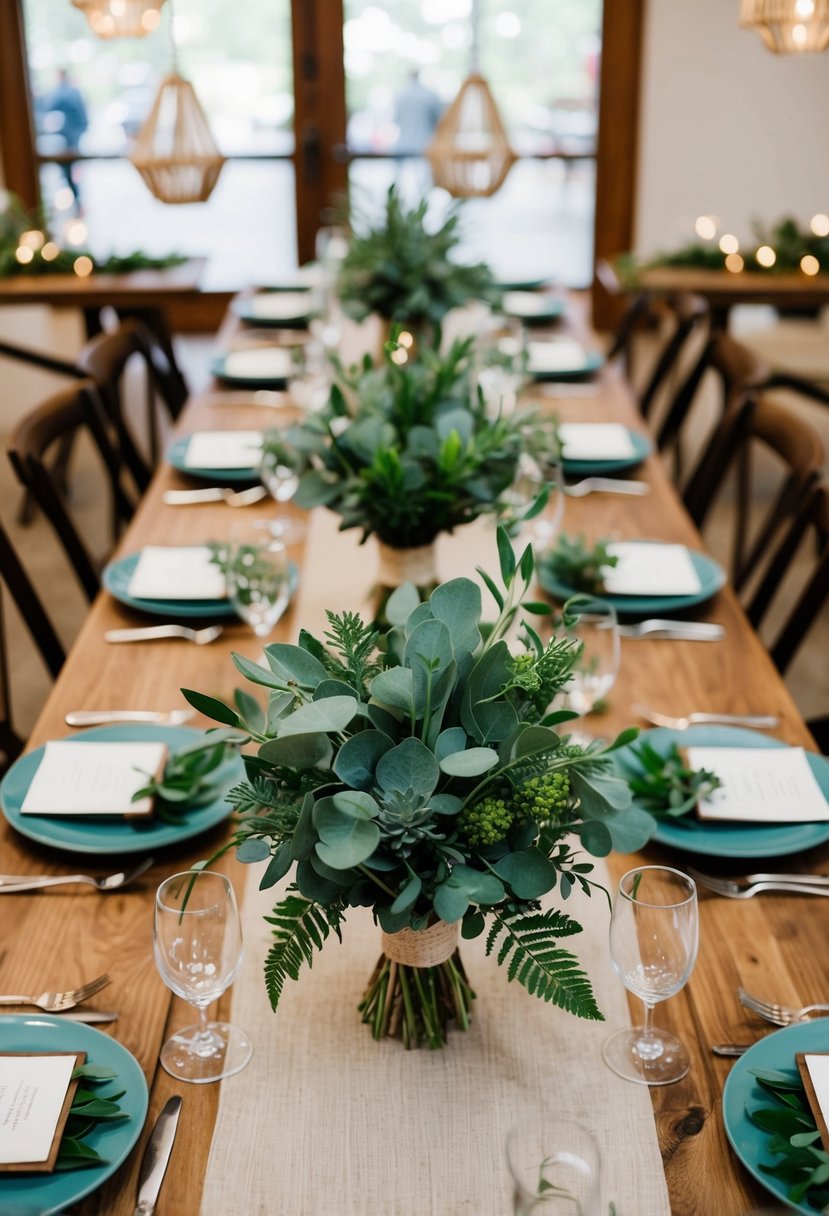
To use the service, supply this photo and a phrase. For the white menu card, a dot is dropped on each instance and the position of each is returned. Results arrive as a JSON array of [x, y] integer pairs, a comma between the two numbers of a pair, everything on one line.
[[223, 450], [167, 572], [560, 355], [814, 1071], [260, 363], [93, 778], [526, 303], [760, 785], [650, 569], [34, 1102], [595, 441], [279, 305]]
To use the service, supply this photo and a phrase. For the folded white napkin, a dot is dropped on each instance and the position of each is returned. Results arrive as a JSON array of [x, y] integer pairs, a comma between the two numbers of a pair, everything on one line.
[[525, 303], [223, 450], [172, 573], [595, 441], [760, 785], [560, 355], [650, 569], [260, 363], [279, 305], [93, 778]]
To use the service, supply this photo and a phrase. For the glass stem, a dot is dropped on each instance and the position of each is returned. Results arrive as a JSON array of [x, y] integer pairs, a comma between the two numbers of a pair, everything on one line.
[[647, 1046], [203, 1033]]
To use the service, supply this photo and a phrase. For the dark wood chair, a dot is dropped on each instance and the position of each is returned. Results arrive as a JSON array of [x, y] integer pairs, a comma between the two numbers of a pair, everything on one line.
[[14, 578], [750, 423], [104, 360], [36, 436]]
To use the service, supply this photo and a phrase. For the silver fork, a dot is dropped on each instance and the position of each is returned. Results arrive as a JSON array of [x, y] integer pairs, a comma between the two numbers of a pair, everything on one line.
[[233, 498], [12, 884], [758, 721], [735, 890], [605, 485], [56, 1002], [151, 633], [779, 1015], [686, 631], [102, 717]]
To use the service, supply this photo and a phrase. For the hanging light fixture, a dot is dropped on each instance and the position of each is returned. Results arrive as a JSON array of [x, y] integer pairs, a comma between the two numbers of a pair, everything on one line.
[[470, 153], [121, 18], [175, 151], [788, 27]]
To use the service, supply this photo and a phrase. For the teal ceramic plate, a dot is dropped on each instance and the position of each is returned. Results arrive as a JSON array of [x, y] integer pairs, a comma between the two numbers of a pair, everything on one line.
[[116, 836], [116, 578], [750, 1143], [246, 311], [642, 448], [730, 839], [47, 1194], [520, 284], [593, 362], [711, 577], [217, 369], [177, 456], [551, 308]]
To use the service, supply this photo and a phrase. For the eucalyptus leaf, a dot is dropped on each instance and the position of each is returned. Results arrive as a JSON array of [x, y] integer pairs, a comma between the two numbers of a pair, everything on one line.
[[470, 763]]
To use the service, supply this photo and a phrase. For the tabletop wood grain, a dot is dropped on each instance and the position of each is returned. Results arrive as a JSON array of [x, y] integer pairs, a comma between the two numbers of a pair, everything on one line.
[[775, 945]]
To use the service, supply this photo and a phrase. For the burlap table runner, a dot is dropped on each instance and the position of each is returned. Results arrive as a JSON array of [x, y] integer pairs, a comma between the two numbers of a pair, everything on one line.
[[326, 1122]]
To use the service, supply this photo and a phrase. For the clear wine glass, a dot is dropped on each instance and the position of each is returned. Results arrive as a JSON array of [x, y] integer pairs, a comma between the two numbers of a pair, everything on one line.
[[555, 1167], [530, 479], [197, 941], [500, 363], [596, 626], [281, 482], [654, 935], [258, 574]]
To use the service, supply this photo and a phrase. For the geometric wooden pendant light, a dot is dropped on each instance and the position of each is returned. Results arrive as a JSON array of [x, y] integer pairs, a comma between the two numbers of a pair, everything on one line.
[[470, 154], [175, 151], [121, 18], [788, 27]]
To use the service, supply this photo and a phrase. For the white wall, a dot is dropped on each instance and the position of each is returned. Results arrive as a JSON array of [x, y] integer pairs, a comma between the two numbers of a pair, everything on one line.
[[727, 128]]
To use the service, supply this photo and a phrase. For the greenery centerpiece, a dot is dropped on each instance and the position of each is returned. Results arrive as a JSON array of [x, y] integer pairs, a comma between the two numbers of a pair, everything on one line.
[[403, 271], [424, 778]]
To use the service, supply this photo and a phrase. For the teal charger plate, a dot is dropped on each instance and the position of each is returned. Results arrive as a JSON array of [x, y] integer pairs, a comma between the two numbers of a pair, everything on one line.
[[177, 456], [729, 839], [554, 309], [115, 837], [711, 577], [642, 448], [242, 308], [217, 369], [48, 1194], [751, 1143], [116, 578]]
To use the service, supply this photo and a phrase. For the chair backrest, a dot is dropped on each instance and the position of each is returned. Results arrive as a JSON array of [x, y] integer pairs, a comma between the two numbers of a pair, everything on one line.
[[104, 360], [14, 578], [63, 414], [750, 423], [688, 313]]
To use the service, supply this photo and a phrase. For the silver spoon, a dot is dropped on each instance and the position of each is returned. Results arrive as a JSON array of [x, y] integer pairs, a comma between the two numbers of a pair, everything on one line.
[[606, 485], [152, 633]]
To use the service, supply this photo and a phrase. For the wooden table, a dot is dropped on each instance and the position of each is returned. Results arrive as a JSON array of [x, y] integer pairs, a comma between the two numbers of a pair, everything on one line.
[[776, 945]]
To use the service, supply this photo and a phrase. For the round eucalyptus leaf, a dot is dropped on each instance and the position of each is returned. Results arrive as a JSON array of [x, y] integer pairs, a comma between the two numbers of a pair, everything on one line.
[[448, 741], [473, 924], [596, 838], [409, 765], [450, 901], [348, 842], [394, 688], [294, 664], [298, 751], [458, 604], [329, 716], [252, 850], [357, 758], [529, 873], [445, 804], [402, 601], [407, 897], [314, 886], [469, 763], [480, 887]]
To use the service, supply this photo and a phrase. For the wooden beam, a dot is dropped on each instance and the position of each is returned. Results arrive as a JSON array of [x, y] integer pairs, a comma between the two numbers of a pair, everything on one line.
[[319, 115], [616, 154], [18, 164]]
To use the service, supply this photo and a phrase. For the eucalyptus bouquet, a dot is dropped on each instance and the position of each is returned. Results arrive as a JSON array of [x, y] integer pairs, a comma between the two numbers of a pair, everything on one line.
[[404, 272], [424, 779]]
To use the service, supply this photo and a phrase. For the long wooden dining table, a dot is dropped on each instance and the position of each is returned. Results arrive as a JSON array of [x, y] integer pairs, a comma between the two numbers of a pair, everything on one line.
[[778, 945]]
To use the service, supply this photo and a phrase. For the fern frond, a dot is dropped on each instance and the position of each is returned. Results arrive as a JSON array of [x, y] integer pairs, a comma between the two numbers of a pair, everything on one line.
[[300, 927], [526, 943]]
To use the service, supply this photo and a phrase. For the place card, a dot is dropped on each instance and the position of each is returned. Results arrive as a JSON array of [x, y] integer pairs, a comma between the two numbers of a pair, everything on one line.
[[279, 305], [562, 355], [172, 573], [36, 1092], [650, 569], [223, 450], [814, 1072], [595, 441], [527, 303], [259, 363], [93, 778], [760, 785]]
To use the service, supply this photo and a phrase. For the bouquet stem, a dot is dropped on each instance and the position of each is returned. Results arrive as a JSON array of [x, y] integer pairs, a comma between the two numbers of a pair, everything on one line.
[[416, 1004]]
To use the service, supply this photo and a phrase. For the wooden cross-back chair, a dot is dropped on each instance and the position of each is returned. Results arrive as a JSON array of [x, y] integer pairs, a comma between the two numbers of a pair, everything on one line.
[[36, 436]]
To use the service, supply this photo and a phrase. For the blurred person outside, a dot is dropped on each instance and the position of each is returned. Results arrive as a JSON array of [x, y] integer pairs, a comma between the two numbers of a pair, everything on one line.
[[66, 116], [417, 111]]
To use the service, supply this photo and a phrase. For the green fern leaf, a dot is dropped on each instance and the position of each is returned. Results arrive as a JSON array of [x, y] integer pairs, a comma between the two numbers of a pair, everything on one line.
[[300, 928], [527, 944]]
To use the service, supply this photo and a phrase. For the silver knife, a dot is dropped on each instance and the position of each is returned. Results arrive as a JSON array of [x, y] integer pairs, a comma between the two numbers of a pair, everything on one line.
[[157, 1157], [90, 1016]]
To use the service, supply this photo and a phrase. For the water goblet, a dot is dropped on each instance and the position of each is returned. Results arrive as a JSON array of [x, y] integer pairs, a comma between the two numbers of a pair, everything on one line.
[[500, 362], [524, 503], [197, 941], [654, 935], [281, 482], [594, 624], [258, 575], [555, 1167]]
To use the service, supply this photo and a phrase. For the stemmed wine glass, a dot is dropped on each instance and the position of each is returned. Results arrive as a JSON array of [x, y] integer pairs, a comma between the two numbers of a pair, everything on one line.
[[654, 935], [197, 941], [531, 479], [501, 364], [592, 622], [281, 482], [555, 1167], [258, 574]]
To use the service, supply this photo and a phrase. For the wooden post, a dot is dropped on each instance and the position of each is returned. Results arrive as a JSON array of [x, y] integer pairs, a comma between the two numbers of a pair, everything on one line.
[[18, 162], [319, 116]]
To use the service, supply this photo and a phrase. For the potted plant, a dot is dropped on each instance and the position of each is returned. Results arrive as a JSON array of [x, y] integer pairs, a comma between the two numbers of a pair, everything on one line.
[[426, 780]]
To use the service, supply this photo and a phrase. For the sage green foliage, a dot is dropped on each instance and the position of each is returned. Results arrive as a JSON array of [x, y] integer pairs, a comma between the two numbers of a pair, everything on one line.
[[404, 272], [89, 1108], [803, 1163], [406, 452], [578, 564], [188, 780], [667, 787], [789, 241], [371, 763]]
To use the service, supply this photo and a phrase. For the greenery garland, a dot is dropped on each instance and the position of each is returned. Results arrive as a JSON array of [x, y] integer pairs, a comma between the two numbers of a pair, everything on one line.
[[786, 238]]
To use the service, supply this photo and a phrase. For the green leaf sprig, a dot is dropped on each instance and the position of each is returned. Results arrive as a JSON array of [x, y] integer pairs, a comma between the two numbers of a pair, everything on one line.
[[667, 787], [186, 782], [578, 564], [89, 1109], [803, 1164]]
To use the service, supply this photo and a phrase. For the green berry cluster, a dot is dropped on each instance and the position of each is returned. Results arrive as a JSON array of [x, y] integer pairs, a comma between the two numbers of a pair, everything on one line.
[[487, 822], [543, 797]]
